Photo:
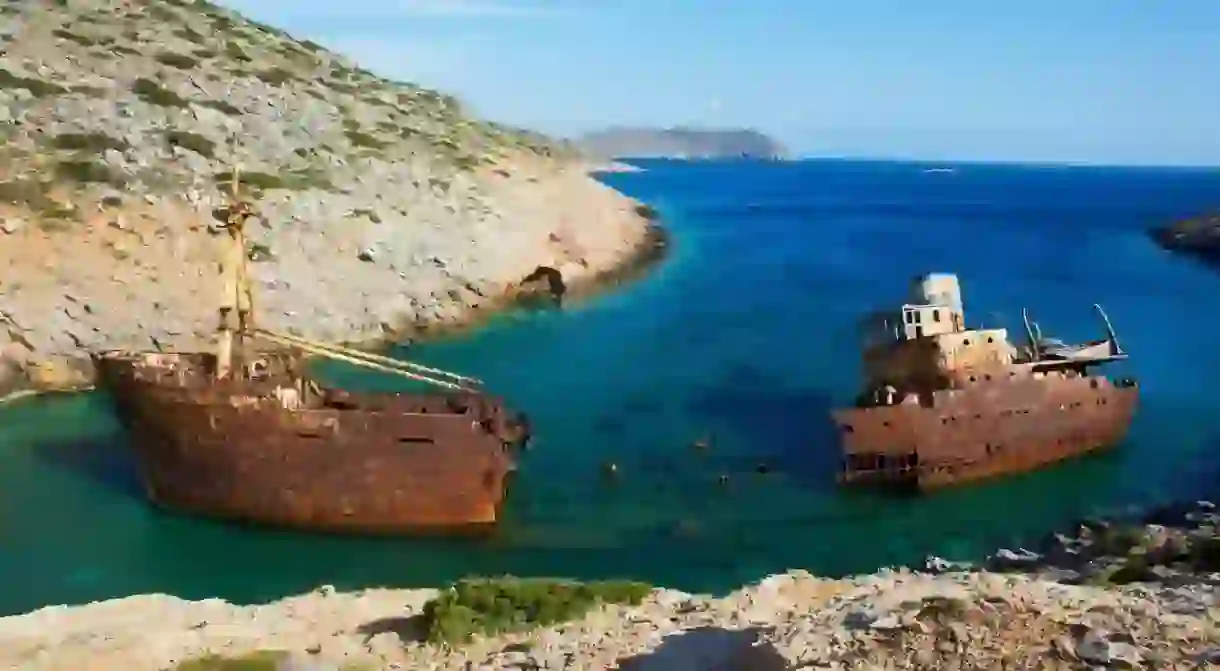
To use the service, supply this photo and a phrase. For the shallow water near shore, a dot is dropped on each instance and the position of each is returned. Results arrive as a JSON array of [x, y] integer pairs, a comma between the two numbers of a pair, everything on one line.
[[745, 334]]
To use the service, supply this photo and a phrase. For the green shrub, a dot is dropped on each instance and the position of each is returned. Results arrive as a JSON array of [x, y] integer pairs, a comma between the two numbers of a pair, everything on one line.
[[1135, 569], [221, 106], [25, 191], [98, 142], [162, 14], [86, 172], [176, 60], [190, 35], [361, 139], [86, 90], [73, 37], [275, 76], [1118, 540], [254, 180], [152, 93], [36, 87], [262, 660], [193, 141], [491, 606], [234, 51]]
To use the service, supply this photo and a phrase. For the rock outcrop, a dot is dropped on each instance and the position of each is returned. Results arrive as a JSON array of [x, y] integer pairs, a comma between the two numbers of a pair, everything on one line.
[[945, 617], [1199, 236], [386, 204]]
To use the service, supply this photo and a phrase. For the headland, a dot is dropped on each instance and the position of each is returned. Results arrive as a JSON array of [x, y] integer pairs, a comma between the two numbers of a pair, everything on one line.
[[390, 211]]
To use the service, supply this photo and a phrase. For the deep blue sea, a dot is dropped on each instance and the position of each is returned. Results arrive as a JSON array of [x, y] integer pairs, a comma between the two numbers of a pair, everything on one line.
[[745, 334]]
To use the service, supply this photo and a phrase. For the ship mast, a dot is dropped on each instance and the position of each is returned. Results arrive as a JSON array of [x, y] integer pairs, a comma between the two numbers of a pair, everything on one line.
[[236, 316], [237, 299]]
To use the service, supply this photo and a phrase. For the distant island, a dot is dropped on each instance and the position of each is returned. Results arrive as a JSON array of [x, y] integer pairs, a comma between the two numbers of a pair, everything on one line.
[[697, 143]]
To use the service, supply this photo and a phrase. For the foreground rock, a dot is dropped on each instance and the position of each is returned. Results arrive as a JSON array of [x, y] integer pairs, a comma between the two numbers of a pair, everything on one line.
[[388, 207], [1143, 595], [896, 620]]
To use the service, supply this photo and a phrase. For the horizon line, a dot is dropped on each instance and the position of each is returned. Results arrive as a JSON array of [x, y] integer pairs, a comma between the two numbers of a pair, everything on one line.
[[864, 158]]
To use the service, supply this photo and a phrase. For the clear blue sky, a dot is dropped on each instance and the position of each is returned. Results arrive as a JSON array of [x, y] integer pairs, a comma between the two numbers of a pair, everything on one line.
[[1119, 81]]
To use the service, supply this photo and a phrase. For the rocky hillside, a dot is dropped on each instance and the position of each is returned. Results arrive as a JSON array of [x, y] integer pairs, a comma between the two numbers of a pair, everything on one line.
[[386, 204], [1110, 595], [679, 143]]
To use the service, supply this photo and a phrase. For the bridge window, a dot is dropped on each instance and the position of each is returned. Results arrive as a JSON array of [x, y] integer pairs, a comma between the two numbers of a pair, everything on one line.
[[910, 317], [936, 315]]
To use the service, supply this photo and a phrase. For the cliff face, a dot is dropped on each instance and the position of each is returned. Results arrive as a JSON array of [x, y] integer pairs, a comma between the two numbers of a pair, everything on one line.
[[679, 143], [386, 203]]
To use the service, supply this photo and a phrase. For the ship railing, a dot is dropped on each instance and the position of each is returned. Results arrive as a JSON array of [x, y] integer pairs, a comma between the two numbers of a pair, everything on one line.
[[434, 376]]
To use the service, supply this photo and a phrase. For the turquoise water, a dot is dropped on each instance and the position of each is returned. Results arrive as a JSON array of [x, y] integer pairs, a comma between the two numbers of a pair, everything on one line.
[[745, 334]]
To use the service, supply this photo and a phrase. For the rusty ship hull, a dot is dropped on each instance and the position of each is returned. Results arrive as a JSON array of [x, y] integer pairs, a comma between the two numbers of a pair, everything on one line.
[[989, 429], [380, 464]]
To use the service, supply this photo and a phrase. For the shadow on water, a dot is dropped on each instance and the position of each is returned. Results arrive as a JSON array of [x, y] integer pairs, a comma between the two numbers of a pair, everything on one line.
[[104, 460]]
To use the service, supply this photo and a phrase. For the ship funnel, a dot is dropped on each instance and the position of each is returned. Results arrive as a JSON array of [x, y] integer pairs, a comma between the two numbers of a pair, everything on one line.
[[1115, 348]]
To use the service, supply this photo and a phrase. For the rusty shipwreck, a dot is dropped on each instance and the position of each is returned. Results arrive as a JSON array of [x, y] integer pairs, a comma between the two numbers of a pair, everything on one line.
[[945, 404], [244, 433]]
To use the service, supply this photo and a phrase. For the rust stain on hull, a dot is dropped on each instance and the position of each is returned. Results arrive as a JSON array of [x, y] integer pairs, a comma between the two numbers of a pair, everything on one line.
[[1011, 427], [339, 462], [944, 404]]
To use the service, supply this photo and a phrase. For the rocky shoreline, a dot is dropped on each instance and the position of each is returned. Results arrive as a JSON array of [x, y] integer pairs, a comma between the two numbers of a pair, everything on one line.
[[1198, 236], [390, 211], [1133, 594]]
